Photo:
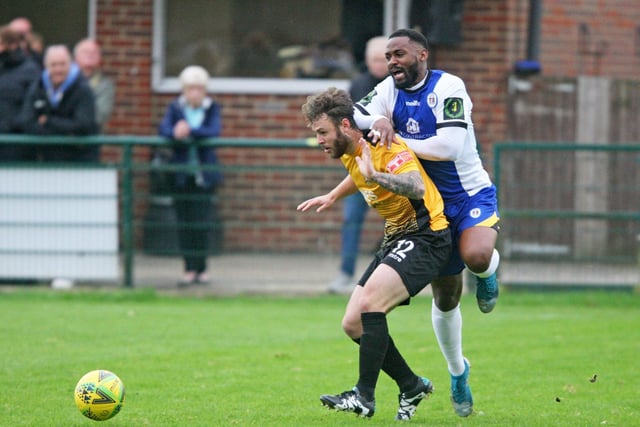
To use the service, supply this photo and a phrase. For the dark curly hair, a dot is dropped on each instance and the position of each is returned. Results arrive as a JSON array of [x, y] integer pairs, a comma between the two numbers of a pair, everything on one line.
[[413, 35]]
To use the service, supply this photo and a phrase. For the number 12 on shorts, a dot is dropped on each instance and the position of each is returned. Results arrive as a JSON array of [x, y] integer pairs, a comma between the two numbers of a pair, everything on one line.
[[402, 247]]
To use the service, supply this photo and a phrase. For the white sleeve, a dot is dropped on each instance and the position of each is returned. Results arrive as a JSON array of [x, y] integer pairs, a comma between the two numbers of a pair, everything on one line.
[[377, 104], [365, 121], [447, 144]]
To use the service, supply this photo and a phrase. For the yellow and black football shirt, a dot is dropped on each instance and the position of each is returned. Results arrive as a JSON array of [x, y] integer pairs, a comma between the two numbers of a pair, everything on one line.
[[402, 215]]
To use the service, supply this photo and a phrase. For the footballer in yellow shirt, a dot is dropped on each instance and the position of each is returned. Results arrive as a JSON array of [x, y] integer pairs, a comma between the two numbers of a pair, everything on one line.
[[416, 246]]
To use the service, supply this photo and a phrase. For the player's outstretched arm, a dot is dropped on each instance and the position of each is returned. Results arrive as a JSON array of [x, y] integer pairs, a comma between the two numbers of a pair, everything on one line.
[[325, 201], [321, 202]]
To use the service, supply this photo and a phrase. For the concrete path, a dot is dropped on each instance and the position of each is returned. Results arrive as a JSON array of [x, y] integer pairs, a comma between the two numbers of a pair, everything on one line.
[[310, 274], [284, 274]]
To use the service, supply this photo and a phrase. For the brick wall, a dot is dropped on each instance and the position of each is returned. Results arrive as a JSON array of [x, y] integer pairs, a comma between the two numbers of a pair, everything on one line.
[[591, 38], [495, 36]]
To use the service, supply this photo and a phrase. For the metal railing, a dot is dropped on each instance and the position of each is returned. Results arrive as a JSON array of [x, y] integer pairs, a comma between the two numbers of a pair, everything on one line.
[[127, 166], [563, 203], [570, 205]]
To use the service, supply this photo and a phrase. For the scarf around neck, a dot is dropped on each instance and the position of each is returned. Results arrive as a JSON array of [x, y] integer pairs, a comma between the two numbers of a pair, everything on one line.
[[55, 94]]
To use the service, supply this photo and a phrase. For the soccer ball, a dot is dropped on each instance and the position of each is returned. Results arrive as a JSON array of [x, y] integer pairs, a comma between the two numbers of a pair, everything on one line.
[[99, 395]]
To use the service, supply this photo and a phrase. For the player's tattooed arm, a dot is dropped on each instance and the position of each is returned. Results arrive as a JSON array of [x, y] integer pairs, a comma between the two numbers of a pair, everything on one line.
[[408, 184]]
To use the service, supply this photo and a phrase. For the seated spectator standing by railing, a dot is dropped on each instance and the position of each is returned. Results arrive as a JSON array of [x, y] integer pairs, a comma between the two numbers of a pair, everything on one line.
[[60, 102], [17, 72], [192, 116]]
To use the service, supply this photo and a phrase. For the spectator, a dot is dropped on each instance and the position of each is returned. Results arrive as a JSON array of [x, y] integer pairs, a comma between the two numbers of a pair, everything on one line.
[[190, 117], [355, 208], [17, 72], [60, 103], [36, 45], [31, 43], [87, 54]]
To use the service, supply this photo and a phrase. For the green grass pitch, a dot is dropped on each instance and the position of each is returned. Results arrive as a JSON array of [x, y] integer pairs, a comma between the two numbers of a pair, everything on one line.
[[540, 359]]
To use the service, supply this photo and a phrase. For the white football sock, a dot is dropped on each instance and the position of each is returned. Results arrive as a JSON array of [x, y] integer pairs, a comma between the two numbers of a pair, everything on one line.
[[448, 329], [493, 266]]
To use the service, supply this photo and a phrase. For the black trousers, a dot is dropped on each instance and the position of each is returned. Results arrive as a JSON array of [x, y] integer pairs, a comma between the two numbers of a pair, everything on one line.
[[194, 213]]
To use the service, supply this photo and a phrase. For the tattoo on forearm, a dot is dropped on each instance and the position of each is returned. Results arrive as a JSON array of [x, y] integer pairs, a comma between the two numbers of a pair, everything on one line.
[[407, 184]]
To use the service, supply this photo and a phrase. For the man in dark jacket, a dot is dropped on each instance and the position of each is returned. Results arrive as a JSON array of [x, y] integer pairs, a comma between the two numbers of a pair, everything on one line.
[[17, 72], [61, 102]]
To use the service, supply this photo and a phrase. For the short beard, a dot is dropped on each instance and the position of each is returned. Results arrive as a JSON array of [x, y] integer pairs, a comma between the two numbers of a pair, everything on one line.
[[341, 144], [411, 79]]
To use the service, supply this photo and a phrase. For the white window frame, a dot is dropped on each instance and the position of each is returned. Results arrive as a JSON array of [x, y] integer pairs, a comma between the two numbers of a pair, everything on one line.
[[160, 83], [91, 25]]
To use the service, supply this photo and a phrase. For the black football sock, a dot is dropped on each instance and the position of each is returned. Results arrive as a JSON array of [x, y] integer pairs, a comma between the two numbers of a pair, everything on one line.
[[373, 348], [396, 367]]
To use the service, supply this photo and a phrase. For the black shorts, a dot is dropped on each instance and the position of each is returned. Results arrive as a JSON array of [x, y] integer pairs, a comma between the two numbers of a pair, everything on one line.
[[417, 257]]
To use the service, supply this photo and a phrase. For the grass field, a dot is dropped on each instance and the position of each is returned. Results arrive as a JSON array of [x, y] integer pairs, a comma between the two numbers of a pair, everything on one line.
[[260, 361]]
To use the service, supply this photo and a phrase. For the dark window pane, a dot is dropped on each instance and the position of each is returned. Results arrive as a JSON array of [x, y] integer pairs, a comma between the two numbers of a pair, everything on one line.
[[269, 38], [58, 22]]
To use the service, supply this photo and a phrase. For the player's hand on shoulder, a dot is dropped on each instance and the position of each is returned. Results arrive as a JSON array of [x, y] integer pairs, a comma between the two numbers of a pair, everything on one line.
[[382, 131]]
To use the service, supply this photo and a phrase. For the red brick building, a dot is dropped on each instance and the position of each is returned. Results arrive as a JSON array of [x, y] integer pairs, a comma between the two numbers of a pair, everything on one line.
[[576, 37], [570, 38]]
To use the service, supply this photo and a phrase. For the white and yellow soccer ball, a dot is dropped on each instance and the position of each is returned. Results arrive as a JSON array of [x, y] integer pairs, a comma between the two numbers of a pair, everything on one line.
[[99, 395]]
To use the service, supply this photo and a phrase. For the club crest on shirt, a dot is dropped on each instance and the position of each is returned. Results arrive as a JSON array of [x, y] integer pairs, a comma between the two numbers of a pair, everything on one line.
[[432, 99], [475, 213], [400, 159]]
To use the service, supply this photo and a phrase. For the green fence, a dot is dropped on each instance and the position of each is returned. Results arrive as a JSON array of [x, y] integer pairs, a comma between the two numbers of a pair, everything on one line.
[[570, 212], [31, 206]]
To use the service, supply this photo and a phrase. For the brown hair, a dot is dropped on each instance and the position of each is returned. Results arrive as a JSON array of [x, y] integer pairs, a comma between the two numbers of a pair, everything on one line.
[[335, 103]]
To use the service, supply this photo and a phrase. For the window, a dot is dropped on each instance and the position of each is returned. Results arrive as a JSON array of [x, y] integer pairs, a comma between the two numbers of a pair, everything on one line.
[[264, 46], [66, 23]]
